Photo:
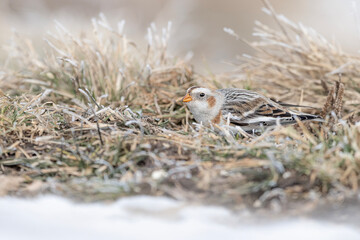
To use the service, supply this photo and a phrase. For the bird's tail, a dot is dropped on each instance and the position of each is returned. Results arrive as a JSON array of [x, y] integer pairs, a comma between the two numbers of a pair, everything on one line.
[[307, 117]]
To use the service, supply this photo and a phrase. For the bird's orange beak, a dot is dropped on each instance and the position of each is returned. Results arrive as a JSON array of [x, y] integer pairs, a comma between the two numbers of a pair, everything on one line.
[[187, 98]]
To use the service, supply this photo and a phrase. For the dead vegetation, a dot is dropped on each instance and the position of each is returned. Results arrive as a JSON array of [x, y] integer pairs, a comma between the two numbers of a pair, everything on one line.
[[97, 117], [295, 63]]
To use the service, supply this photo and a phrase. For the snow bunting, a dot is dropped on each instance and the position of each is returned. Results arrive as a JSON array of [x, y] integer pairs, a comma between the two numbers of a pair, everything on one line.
[[238, 107]]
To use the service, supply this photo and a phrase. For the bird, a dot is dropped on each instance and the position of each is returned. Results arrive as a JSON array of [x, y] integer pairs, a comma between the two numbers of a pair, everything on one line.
[[242, 108]]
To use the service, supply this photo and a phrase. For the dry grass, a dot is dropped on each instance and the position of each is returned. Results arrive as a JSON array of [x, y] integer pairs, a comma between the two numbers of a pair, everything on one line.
[[297, 64], [97, 117]]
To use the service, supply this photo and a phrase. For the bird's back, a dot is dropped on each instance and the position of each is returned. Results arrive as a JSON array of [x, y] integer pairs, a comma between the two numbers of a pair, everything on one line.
[[251, 110]]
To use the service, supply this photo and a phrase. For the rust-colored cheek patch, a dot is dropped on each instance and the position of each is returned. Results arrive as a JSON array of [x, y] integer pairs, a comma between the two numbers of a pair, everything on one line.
[[217, 118], [211, 101]]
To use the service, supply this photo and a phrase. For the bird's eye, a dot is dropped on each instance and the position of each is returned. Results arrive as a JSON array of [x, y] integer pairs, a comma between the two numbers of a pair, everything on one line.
[[202, 94]]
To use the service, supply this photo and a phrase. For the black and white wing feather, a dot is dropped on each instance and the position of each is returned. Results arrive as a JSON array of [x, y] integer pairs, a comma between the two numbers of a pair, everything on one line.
[[250, 110]]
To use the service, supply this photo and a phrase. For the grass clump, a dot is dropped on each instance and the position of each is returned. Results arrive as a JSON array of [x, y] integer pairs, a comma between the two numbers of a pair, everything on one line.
[[101, 120]]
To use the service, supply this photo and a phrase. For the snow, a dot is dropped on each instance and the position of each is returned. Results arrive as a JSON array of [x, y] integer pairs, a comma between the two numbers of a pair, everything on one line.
[[144, 217]]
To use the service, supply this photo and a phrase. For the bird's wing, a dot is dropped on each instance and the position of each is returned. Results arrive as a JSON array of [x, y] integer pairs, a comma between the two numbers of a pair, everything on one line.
[[251, 110], [292, 105]]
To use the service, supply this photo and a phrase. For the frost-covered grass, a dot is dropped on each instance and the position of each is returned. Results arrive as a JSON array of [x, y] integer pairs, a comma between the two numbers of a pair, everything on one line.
[[97, 116]]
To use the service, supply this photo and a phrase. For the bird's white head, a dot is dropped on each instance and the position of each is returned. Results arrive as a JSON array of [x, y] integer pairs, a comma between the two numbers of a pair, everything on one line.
[[203, 103]]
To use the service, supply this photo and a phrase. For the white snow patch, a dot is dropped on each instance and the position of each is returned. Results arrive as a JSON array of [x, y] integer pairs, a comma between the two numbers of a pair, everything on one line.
[[142, 217]]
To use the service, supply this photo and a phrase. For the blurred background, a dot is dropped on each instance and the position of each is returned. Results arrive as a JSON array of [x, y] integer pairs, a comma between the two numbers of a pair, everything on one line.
[[197, 24]]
